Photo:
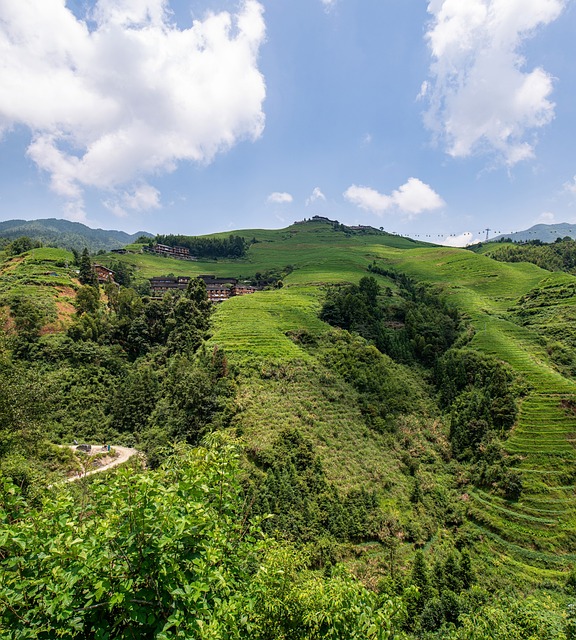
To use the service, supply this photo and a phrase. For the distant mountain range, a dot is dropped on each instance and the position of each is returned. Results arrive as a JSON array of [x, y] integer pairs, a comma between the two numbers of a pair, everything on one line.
[[68, 235], [543, 232]]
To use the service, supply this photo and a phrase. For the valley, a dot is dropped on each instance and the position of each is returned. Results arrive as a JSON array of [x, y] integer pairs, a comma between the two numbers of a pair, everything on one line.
[[365, 424]]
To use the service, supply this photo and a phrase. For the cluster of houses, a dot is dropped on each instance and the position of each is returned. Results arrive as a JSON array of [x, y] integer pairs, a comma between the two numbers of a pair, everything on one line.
[[182, 253], [218, 289]]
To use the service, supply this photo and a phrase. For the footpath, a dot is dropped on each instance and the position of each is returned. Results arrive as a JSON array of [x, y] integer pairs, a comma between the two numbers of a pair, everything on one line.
[[122, 455]]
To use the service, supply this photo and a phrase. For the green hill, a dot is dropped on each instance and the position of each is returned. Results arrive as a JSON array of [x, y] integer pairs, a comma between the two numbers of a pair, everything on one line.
[[542, 232], [347, 447], [255, 330], [67, 235]]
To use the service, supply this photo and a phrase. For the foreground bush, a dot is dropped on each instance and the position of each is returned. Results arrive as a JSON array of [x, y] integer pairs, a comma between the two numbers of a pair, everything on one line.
[[171, 553]]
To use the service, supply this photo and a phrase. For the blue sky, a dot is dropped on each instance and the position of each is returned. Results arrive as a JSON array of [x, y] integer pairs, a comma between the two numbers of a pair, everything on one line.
[[434, 119]]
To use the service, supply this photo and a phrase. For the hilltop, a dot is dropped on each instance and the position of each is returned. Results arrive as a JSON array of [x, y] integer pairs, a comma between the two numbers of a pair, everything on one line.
[[450, 443]]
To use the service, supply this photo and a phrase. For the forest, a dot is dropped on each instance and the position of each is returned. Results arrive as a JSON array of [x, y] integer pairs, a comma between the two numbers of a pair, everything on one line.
[[556, 256], [206, 247], [325, 489]]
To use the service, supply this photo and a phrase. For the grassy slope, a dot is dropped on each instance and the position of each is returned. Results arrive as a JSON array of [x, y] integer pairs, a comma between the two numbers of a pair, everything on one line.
[[536, 532], [284, 385], [41, 274]]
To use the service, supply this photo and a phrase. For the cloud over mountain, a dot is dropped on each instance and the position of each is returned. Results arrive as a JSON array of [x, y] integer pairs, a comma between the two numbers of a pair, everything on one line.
[[411, 199], [126, 94]]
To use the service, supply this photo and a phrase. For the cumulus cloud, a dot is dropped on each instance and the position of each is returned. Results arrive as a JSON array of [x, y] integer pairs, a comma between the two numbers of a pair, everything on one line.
[[481, 96], [315, 196], [462, 240], [412, 198], [279, 197], [124, 94], [546, 218], [142, 198]]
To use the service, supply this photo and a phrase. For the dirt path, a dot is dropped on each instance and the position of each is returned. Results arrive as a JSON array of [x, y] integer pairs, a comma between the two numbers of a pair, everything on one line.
[[124, 454]]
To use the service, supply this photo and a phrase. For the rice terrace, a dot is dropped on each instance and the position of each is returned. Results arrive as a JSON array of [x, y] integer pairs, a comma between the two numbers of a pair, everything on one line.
[[395, 420]]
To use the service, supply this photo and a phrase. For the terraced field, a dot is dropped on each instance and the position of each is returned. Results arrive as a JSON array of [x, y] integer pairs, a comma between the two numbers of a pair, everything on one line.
[[535, 535], [539, 531]]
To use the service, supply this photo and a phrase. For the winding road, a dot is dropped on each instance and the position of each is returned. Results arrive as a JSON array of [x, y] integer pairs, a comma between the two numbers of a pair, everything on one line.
[[124, 454]]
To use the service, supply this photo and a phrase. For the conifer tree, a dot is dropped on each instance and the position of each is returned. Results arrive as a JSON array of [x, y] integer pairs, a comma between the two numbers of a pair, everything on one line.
[[87, 274], [420, 577]]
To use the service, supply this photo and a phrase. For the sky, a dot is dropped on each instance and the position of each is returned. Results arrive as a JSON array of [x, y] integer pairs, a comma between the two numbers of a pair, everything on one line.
[[444, 120]]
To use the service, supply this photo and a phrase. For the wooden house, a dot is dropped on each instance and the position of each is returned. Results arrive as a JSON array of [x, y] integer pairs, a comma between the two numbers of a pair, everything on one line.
[[103, 273]]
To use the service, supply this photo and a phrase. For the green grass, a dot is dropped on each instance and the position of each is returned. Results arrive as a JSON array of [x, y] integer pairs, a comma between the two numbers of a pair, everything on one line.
[[40, 274], [282, 384]]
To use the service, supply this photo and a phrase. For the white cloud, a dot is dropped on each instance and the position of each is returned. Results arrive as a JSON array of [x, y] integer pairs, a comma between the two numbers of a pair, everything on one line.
[[546, 218], [315, 196], [411, 198], [142, 198], [130, 95], [462, 240], [280, 198], [328, 4], [571, 186], [368, 199], [481, 96]]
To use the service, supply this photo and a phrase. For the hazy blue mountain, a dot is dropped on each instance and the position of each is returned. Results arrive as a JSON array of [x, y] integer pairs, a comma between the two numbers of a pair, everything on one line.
[[543, 232], [68, 235]]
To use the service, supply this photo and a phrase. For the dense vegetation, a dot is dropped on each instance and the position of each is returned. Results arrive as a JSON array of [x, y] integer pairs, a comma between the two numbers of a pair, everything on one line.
[[206, 247], [556, 256], [172, 553], [359, 480], [65, 234]]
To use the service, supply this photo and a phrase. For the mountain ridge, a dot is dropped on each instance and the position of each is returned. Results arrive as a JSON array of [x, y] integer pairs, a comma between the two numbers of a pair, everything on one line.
[[542, 232], [68, 235]]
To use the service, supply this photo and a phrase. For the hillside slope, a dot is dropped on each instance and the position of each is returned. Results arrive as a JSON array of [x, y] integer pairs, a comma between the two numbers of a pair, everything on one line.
[[535, 532], [269, 338], [67, 235]]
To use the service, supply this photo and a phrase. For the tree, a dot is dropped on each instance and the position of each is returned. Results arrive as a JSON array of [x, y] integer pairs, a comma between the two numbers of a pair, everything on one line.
[[28, 318], [420, 576], [21, 245], [87, 275], [87, 300]]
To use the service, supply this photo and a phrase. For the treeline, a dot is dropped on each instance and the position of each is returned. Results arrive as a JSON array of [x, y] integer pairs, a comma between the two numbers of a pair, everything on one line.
[[20, 245], [557, 256], [204, 247], [480, 392]]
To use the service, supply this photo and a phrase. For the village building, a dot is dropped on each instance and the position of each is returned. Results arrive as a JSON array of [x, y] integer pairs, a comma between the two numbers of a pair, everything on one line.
[[244, 289], [161, 284], [217, 289], [181, 253], [103, 274]]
